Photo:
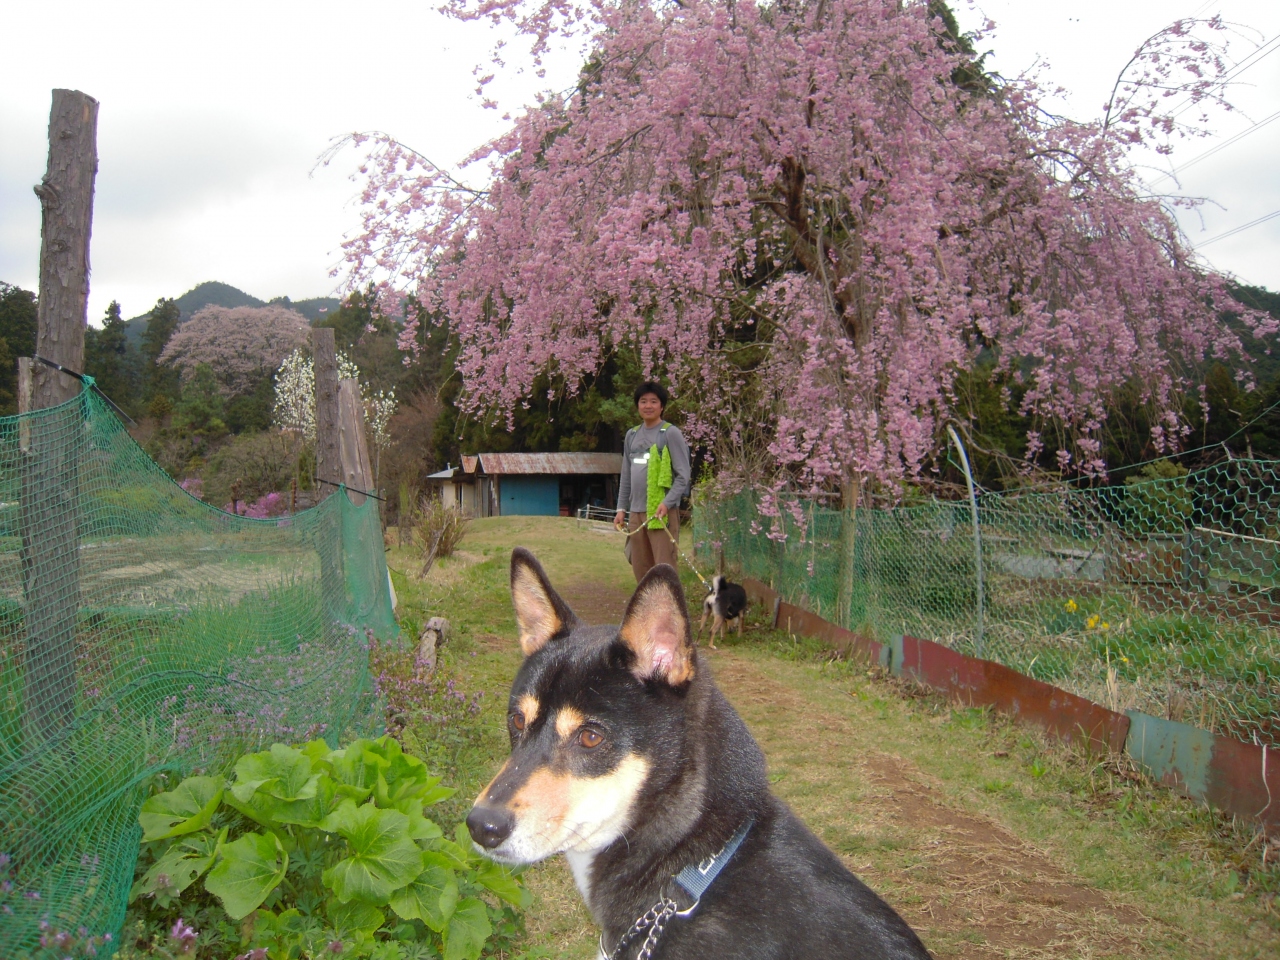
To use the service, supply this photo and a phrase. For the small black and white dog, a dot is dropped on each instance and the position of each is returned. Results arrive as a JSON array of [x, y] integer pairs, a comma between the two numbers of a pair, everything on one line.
[[725, 603]]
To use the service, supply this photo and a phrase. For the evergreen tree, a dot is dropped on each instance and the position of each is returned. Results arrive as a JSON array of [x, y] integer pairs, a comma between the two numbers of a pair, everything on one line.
[[161, 383], [201, 411], [17, 339], [107, 360]]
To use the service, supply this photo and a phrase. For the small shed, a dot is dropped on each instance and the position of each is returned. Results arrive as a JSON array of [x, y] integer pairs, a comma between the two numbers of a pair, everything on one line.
[[530, 484]]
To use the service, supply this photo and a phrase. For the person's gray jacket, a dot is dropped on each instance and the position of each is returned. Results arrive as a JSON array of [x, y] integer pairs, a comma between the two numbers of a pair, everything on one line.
[[633, 482]]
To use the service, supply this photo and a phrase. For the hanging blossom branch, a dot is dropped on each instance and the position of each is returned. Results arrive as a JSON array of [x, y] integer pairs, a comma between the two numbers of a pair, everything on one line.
[[1187, 61], [824, 207]]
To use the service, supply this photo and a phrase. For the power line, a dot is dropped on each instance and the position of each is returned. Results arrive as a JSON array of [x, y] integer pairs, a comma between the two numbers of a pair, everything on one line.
[[1248, 63], [1253, 128], [1239, 229], [1209, 446]]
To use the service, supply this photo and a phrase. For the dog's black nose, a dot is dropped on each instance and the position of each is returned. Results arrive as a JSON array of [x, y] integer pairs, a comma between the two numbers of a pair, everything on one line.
[[490, 826]]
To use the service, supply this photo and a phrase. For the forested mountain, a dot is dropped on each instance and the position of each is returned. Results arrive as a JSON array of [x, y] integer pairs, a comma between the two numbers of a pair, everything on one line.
[[216, 294]]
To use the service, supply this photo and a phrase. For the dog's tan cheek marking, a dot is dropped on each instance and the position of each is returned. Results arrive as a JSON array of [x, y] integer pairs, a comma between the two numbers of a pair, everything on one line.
[[545, 795], [568, 720], [617, 789], [602, 805], [550, 800], [529, 707]]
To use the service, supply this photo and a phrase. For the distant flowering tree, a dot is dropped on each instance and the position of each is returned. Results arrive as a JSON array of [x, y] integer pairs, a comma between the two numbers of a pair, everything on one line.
[[295, 388], [814, 215], [272, 505], [379, 408], [243, 345]]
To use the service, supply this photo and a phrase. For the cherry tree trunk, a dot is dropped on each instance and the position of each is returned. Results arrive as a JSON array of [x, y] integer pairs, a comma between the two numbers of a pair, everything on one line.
[[51, 469]]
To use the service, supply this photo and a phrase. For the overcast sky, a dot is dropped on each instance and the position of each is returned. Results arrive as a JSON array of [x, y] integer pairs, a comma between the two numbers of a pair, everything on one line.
[[213, 114]]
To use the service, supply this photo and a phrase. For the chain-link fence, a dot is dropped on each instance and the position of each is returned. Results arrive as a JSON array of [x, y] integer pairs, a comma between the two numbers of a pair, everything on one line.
[[144, 631], [1161, 596]]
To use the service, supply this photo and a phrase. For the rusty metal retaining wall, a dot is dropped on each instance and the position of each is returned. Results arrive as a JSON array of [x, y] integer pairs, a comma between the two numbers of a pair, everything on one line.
[[1238, 778]]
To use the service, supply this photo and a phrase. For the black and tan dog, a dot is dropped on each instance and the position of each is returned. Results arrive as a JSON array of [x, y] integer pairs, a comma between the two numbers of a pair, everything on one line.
[[626, 758]]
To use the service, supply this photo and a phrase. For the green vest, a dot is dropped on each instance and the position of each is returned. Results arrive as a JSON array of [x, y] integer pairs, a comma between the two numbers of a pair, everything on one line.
[[658, 476]]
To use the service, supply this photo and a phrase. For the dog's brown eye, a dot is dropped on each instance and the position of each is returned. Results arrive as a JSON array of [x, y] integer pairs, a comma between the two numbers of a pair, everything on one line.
[[517, 720], [590, 739]]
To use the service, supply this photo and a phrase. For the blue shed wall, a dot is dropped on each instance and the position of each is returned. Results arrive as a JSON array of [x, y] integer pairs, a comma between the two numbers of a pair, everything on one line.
[[529, 496]]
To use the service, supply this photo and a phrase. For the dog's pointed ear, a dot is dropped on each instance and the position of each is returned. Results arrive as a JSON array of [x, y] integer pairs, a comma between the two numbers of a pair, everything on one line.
[[656, 628], [540, 613]]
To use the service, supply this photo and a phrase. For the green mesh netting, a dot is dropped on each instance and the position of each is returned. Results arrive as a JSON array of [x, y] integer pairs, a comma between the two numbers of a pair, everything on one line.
[[1162, 596], [142, 630]]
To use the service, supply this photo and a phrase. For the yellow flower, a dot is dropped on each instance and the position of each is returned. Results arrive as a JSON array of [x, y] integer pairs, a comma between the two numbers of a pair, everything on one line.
[[1071, 606], [1091, 622], [1124, 659], [1105, 625]]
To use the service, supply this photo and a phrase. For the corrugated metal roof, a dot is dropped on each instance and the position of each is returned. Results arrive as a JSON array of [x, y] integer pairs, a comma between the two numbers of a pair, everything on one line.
[[557, 464], [469, 464]]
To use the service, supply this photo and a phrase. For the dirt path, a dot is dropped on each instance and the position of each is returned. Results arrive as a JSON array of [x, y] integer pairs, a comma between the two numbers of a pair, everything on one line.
[[969, 886]]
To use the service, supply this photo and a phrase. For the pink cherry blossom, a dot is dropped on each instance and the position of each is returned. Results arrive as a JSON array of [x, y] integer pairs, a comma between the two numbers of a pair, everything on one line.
[[810, 218], [243, 345]]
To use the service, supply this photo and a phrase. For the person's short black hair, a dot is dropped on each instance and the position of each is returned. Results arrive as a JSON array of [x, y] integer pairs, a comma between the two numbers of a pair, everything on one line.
[[657, 389]]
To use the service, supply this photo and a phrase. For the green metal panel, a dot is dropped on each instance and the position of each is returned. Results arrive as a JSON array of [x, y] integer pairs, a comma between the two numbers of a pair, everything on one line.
[[1174, 753]]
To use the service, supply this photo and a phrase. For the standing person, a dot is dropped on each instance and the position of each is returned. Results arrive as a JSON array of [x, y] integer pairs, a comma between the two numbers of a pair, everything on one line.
[[655, 475]]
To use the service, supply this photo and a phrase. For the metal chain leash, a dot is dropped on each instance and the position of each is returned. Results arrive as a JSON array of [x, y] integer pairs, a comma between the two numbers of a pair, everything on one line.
[[655, 922], [667, 529]]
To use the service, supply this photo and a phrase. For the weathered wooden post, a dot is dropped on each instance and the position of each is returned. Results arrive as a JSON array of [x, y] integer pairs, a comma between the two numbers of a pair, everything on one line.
[[328, 468], [353, 450], [50, 516], [328, 442]]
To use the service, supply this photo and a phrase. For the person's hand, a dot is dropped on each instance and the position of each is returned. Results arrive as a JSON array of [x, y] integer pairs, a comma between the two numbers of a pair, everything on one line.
[[661, 513], [619, 518]]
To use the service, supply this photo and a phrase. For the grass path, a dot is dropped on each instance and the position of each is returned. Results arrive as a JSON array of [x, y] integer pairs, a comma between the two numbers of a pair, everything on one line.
[[991, 841]]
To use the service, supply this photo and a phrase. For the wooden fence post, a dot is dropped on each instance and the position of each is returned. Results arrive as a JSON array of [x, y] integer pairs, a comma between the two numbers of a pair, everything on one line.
[[328, 468], [353, 450], [51, 480], [328, 442]]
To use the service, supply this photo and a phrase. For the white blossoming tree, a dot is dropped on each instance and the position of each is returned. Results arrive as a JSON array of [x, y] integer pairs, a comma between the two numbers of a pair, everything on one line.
[[295, 404], [379, 408]]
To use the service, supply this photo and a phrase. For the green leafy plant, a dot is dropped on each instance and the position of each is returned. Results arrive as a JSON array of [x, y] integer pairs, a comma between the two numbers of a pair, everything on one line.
[[319, 852]]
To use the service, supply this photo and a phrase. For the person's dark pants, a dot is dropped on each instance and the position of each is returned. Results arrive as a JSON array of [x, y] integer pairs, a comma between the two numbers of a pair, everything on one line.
[[652, 547]]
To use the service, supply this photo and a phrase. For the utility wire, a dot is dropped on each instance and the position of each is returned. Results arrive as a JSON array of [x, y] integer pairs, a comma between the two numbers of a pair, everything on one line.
[[1239, 229], [1222, 146], [1248, 63], [1208, 446]]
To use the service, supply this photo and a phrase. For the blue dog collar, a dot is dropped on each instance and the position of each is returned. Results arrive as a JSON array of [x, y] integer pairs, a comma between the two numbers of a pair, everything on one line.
[[696, 877], [694, 880]]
